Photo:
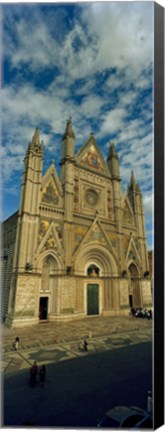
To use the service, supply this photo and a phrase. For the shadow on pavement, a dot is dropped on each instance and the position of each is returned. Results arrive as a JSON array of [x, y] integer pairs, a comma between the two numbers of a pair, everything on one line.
[[78, 392]]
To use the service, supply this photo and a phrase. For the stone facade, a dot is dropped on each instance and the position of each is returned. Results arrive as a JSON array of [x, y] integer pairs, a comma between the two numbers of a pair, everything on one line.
[[76, 247]]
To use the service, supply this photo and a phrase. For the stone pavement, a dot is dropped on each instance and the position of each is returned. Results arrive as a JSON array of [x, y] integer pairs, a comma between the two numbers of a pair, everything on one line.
[[53, 342]]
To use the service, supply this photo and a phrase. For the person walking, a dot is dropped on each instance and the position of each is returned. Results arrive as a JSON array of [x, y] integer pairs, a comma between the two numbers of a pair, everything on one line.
[[85, 345], [16, 343], [42, 375], [33, 374]]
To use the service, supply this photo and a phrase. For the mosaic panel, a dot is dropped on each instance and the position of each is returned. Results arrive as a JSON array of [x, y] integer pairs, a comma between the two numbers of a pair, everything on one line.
[[92, 159]]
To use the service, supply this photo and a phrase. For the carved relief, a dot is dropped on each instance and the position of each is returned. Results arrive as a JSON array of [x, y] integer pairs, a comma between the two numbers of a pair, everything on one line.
[[146, 290], [26, 296], [50, 243], [43, 228], [124, 293], [68, 296]]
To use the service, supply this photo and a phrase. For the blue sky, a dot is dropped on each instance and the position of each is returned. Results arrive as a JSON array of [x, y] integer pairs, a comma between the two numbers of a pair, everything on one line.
[[91, 61]]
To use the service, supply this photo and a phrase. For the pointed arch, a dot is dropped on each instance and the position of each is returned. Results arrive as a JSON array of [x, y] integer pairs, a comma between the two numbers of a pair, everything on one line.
[[53, 259], [133, 269]]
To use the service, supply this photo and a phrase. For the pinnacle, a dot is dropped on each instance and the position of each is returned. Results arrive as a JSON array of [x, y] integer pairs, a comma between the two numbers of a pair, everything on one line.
[[69, 130], [36, 138], [112, 150], [132, 180]]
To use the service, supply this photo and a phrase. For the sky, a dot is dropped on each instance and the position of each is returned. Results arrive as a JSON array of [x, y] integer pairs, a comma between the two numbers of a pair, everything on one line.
[[92, 61]]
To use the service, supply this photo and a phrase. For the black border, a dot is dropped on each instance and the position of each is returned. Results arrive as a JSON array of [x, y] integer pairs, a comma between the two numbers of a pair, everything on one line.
[[158, 356]]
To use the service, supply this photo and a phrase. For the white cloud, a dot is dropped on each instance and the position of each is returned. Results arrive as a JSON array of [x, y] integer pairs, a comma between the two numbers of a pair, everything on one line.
[[113, 121], [121, 42], [110, 40]]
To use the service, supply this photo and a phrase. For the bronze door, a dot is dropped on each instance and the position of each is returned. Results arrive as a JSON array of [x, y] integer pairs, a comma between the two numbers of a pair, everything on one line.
[[92, 299]]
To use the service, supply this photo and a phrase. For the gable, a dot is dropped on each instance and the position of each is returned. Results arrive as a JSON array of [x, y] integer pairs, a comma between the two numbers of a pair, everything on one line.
[[132, 252], [49, 236], [51, 187], [90, 156], [96, 235]]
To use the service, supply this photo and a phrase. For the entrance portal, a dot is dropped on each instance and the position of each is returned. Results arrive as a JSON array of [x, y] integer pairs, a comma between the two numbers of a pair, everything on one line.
[[92, 299], [43, 308]]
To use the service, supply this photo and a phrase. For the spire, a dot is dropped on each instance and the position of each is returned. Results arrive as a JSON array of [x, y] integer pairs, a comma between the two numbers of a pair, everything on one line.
[[112, 151], [36, 138], [132, 181], [112, 148], [69, 130], [113, 161]]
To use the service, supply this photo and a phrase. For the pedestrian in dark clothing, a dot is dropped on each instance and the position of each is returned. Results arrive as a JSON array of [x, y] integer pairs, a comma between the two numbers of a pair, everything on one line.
[[42, 375], [16, 343], [85, 345], [33, 374]]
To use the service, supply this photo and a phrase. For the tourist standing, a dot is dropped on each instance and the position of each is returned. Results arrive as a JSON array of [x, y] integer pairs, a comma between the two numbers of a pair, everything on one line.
[[16, 343]]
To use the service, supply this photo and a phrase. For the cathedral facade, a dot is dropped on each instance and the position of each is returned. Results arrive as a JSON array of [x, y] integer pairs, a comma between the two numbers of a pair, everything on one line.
[[77, 246]]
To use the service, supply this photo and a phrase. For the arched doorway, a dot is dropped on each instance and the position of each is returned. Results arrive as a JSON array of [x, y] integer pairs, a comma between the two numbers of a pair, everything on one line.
[[47, 287], [134, 287], [98, 270]]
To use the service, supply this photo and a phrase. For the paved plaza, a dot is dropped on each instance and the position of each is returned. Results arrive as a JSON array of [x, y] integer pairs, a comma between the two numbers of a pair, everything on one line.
[[80, 386], [53, 342]]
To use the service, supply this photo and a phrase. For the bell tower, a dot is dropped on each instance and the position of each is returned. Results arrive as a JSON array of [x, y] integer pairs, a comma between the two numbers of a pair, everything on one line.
[[28, 214], [27, 226]]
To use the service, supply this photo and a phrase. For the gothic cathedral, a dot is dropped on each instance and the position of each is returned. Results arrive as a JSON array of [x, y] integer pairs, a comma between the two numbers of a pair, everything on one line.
[[76, 247]]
